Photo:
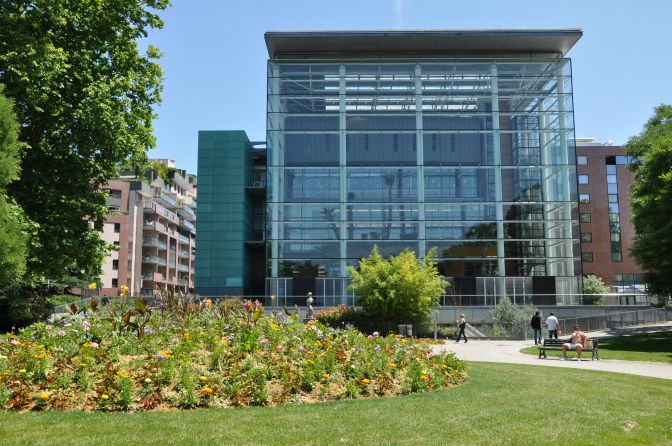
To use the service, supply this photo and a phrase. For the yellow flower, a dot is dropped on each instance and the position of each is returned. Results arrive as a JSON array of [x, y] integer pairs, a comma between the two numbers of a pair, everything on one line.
[[208, 303], [104, 397], [365, 381], [310, 362], [325, 376], [318, 343], [44, 396], [424, 377], [443, 366], [393, 365], [22, 371], [207, 390], [82, 364], [202, 378], [93, 286]]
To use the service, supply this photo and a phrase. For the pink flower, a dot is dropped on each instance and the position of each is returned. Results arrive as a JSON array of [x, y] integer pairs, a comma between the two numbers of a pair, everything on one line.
[[376, 334], [247, 304], [86, 325], [94, 345], [61, 332], [14, 341], [48, 327]]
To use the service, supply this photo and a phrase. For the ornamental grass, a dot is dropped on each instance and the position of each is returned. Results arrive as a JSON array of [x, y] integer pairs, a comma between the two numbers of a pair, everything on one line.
[[126, 356]]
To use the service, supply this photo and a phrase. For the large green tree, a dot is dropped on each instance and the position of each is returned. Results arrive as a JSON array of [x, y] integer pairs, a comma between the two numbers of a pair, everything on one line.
[[402, 288], [652, 199], [84, 95], [13, 225]]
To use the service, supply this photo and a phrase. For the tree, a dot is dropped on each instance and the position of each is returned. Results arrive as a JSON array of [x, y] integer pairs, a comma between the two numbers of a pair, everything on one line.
[[13, 225], [400, 289], [84, 97], [594, 290], [652, 199]]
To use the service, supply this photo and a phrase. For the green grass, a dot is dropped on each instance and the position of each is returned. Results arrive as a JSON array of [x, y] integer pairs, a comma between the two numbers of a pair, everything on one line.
[[656, 347], [502, 404]]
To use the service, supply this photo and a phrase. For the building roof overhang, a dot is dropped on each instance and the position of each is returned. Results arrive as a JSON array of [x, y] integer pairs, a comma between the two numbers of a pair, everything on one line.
[[283, 44]]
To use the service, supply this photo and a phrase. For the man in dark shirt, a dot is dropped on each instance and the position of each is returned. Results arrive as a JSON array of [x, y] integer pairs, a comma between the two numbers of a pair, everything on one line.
[[536, 327]]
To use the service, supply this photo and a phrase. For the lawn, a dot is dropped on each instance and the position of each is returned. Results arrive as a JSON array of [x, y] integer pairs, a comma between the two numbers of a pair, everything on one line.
[[502, 404], [655, 347]]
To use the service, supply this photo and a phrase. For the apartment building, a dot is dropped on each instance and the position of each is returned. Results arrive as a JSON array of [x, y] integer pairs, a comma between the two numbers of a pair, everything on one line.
[[604, 205], [152, 225]]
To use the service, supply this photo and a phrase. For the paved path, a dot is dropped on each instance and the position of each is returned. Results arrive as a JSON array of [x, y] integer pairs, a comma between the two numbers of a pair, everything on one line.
[[509, 352]]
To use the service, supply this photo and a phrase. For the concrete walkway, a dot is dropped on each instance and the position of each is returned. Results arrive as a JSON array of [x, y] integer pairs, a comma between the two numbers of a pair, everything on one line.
[[509, 352]]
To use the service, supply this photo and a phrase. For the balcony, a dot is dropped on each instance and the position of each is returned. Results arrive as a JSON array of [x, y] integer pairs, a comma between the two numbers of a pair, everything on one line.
[[153, 277], [154, 260], [186, 212], [166, 200], [186, 224], [113, 202], [183, 239], [184, 254], [154, 243], [183, 268], [182, 282], [160, 210], [257, 188], [153, 224]]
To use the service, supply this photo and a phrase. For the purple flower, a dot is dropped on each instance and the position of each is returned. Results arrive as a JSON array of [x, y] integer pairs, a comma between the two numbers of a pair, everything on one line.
[[86, 325], [148, 330], [301, 348]]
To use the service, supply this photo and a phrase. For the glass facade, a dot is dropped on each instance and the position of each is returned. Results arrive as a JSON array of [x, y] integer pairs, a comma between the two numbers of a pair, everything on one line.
[[473, 157]]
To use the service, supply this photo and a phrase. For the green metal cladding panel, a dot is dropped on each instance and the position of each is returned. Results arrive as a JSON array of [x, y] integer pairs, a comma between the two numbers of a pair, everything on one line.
[[223, 223]]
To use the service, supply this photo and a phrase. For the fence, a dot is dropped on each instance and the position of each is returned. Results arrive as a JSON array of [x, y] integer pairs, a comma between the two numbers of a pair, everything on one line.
[[616, 320]]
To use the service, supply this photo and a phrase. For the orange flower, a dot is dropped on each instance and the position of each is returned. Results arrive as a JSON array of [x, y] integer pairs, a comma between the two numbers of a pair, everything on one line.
[[44, 396], [365, 381], [325, 376], [207, 391], [424, 377]]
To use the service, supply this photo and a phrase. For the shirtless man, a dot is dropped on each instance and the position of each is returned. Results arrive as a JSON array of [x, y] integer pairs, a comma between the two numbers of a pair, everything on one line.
[[576, 341]]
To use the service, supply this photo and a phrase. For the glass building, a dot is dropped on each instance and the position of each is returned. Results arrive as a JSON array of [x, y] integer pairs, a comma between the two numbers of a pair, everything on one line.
[[459, 141]]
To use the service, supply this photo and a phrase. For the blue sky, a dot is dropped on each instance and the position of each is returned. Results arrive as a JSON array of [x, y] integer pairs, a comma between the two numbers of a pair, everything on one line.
[[215, 57]]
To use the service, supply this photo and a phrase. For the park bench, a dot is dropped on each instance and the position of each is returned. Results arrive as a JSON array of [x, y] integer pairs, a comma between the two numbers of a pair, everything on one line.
[[556, 344]]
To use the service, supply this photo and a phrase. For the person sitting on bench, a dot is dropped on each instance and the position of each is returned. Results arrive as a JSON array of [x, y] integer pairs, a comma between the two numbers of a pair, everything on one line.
[[576, 341]]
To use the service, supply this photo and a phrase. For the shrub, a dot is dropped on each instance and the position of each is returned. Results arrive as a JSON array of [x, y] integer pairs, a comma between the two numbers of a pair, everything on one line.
[[402, 288], [21, 306], [593, 290]]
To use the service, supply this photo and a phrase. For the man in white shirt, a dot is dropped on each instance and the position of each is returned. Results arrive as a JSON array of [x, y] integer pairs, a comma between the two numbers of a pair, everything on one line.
[[552, 323]]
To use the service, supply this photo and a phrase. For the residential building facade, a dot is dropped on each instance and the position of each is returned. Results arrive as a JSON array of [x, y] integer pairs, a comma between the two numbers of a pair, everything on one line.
[[152, 226], [607, 231], [458, 141]]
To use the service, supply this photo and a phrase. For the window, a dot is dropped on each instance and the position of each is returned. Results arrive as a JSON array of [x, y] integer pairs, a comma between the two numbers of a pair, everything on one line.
[[583, 179], [117, 228], [611, 169], [587, 237], [115, 283], [584, 198], [611, 179], [585, 217], [581, 160], [612, 188], [116, 245], [587, 257], [115, 264], [613, 198], [616, 257]]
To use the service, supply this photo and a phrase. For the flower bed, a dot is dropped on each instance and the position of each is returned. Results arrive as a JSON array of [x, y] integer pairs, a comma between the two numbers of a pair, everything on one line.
[[125, 357]]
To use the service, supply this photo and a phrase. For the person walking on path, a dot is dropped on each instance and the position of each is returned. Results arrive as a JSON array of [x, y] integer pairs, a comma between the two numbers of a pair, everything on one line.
[[552, 323], [536, 327], [461, 324]]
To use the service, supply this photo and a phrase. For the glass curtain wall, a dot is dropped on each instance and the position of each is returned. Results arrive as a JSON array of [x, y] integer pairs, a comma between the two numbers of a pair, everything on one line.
[[474, 158]]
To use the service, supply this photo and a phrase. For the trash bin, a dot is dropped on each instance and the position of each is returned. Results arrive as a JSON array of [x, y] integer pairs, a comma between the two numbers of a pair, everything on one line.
[[402, 329], [409, 330]]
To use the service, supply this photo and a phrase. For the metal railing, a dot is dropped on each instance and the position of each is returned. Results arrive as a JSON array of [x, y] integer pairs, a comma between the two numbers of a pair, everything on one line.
[[616, 320]]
